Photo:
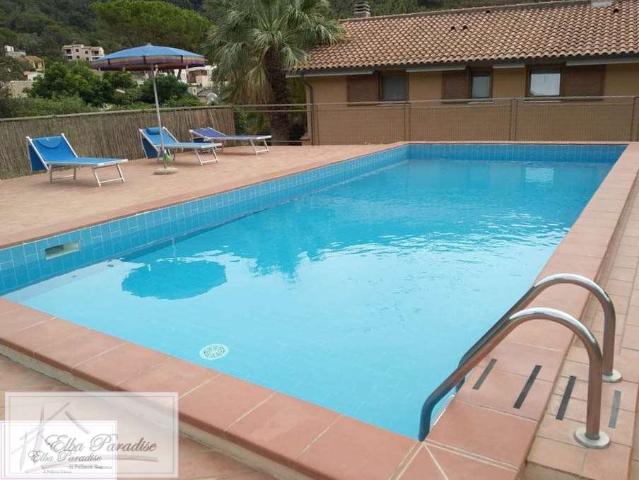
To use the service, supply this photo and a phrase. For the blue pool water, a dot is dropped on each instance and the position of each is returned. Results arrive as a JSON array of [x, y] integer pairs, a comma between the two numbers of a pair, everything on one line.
[[360, 297]]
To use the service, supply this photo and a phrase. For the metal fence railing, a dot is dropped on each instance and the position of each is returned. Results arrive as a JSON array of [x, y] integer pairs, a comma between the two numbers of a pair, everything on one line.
[[596, 119], [509, 119]]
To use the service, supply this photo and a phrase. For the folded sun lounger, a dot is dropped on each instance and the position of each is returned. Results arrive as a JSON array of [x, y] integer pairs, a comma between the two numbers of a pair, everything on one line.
[[210, 134], [151, 143], [50, 153]]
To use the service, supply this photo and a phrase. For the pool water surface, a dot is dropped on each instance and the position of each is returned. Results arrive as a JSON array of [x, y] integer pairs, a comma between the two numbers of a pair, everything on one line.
[[360, 297]]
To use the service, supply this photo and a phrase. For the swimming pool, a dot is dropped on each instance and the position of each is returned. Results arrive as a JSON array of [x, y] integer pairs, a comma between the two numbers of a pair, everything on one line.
[[357, 287]]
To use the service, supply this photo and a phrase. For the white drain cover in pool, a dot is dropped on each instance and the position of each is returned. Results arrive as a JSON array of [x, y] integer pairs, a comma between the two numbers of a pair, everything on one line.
[[214, 351]]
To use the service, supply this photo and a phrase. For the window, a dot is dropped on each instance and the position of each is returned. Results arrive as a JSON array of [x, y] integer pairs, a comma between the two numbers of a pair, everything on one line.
[[544, 82], [480, 85], [376, 87], [363, 88], [583, 81], [394, 87], [455, 84]]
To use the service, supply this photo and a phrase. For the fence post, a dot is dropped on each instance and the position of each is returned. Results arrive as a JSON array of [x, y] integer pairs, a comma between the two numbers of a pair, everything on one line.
[[406, 122], [513, 120], [634, 129]]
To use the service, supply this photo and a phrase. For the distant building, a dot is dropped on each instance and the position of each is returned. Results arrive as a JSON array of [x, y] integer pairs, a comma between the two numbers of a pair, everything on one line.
[[200, 82], [34, 69], [36, 64], [10, 51], [19, 88], [78, 51]]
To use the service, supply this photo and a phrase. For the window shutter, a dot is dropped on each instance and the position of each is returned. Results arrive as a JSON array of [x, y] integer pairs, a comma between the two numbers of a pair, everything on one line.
[[455, 84], [586, 81], [363, 88]]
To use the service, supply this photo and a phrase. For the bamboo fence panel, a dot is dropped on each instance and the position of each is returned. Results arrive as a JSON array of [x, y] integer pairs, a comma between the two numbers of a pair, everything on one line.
[[109, 134]]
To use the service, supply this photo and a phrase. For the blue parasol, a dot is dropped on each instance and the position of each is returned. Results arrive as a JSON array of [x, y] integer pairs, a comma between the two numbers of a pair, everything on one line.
[[151, 58]]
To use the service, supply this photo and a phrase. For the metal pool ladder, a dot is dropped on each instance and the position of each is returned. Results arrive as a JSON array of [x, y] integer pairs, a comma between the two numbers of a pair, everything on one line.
[[601, 366]]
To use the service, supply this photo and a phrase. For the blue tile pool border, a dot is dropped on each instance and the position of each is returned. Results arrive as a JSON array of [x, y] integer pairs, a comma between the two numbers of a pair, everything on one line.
[[24, 264]]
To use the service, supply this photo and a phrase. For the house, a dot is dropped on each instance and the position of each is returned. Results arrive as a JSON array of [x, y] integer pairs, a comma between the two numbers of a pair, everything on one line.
[[36, 64], [78, 51], [34, 69], [10, 51], [200, 82], [582, 49]]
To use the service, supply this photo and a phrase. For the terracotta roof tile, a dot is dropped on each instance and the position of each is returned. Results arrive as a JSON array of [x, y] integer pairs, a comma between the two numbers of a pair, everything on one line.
[[533, 31]]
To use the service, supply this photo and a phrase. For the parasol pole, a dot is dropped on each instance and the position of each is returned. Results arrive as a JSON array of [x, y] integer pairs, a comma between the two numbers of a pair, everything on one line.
[[157, 111]]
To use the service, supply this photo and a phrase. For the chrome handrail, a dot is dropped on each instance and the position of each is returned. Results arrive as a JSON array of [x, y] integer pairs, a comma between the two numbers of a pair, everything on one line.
[[610, 375], [591, 436]]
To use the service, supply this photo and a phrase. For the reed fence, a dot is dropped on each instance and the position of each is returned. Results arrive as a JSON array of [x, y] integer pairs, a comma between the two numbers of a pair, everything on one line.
[[110, 134]]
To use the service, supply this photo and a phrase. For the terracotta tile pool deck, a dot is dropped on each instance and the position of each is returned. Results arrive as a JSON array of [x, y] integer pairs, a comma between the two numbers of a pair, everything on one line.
[[480, 435], [197, 462]]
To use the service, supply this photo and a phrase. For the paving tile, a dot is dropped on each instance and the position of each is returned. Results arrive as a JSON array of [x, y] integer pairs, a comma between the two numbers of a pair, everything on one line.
[[628, 392], [197, 463], [619, 287], [172, 375], [578, 354], [520, 359], [31, 340], [570, 262], [118, 365], [632, 316], [540, 333], [558, 430], [481, 431], [6, 306], [76, 348], [631, 337], [353, 450], [282, 426], [608, 463], [217, 404], [627, 362], [557, 455], [423, 465], [431, 461], [14, 317], [500, 390]]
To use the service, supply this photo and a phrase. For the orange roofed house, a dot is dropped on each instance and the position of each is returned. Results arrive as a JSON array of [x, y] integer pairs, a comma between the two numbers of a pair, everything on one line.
[[569, 69]]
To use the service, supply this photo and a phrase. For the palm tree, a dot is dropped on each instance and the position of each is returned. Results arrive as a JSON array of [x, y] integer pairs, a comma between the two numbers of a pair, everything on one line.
[[255, 42]]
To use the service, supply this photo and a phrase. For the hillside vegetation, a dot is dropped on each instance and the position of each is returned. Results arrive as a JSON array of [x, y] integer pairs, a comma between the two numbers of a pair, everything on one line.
[[41, 27]]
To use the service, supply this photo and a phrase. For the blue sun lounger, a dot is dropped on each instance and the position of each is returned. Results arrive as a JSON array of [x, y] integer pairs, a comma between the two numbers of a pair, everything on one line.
[[151, 143], [209, 134], [50, 153]]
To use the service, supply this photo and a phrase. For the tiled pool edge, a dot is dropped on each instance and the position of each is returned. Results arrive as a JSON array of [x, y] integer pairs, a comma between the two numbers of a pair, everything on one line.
[[343, 448], [27, 262]]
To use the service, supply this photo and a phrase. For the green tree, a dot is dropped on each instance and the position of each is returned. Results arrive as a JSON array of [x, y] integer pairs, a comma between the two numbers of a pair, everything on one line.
[[119, 88], [136, 22], [11, 69], [69, 80], [255, 42], [170, 89], [78, 79]]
